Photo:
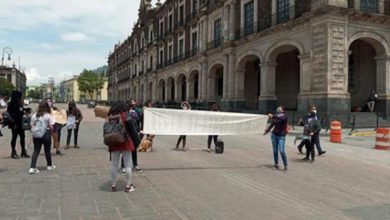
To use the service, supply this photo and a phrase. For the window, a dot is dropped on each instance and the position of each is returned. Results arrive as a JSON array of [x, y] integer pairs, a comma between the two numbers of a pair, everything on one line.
[[282, 11], [161, 57], [181, 48], [151, 36], [194, 6], [142, 67], [170, 53], [170, 23], [370, 6], [194, 42], [248, 18], [181, 13], [151, 62], [217, 32], [161, 28]]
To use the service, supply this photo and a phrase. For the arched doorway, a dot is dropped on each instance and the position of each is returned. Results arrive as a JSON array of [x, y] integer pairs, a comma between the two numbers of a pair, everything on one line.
[[362, 70], [171, 89], [150, 91], [250, 69], [216, 83], [161, 89], [287, 76], [182, 87], [194, 85]]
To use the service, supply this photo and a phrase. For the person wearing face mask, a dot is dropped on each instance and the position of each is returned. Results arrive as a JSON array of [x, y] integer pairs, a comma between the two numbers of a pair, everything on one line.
[[279, 125], [314, 127], [185, 106]]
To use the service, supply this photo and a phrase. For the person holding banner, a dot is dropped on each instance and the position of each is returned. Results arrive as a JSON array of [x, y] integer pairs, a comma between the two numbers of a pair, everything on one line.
[[279, 123], [185, 106], [214, 108]]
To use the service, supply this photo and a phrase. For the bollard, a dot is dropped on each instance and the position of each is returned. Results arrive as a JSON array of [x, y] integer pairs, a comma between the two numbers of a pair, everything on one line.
[[335, 132], [382, 139]]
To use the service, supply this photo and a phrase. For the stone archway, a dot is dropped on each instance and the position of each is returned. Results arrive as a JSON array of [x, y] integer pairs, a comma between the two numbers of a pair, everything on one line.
[[161, 90], [171, 90], [181, 84], [286, 64], [364, 75], [215, 83], [194, 85], [249, 72]]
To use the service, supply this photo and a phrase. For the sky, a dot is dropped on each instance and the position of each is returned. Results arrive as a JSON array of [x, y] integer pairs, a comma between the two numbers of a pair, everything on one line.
[[60, 38]]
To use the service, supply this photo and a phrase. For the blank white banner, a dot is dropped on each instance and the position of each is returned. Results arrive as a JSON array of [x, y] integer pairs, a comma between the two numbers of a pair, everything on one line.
[[190, 122]]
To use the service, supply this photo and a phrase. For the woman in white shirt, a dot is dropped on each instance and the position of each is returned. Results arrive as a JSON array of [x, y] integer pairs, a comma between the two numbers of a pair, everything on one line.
[[42, 126]]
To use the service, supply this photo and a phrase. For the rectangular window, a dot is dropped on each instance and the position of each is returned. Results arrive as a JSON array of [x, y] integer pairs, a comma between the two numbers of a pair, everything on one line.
[[283, 14], [217, 32], [170, 53], [181, 48], [161, 57], [248, 18], [194, 42], [151, 62], [151, 36], [181, 13], [370, 6], [194, 6], [170, 23], [161, 28]]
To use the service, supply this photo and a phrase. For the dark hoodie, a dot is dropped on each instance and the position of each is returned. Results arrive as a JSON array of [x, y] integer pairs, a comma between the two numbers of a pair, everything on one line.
[[15, 110], [279, 122]]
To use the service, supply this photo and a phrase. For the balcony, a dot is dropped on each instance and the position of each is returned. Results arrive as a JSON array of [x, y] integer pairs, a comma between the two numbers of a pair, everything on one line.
[[214, 44], [123, 80], [160, 65], [253, 28]]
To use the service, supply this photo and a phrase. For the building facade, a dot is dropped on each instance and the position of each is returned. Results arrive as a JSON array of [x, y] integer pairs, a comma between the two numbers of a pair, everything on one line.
[[256, 54], [70, 91], [15, 76]]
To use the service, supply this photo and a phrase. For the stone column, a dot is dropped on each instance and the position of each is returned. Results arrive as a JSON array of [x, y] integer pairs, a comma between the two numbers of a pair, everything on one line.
[[178, 92], [383, 83], [226, 21], [381, 6], [205, 33], [232, 21], [239, 85], [203, 81], [267, 99], [166, 98], [274, 17], [154, 89], [200, 34], [188, 96], [231, 90]]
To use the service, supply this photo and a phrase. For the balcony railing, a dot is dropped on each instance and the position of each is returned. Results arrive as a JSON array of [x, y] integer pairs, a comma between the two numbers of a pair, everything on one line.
[[253, 28], [214, 44]]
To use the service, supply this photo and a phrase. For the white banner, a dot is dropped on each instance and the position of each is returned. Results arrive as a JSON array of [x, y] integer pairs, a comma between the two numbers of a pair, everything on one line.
[[191, 122]]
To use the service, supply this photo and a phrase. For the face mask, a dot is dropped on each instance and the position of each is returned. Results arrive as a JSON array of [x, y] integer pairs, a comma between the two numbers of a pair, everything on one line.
[[314, 111]]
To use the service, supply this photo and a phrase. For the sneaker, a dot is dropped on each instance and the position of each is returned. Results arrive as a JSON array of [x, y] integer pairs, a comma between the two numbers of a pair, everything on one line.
[[51, 167], [322, 152], [130, 188], [208, 150], [306, 158], [275, 167], [77, 146], [136, 168], [58, 152], [300, 150], [33, 171], [113, 188]]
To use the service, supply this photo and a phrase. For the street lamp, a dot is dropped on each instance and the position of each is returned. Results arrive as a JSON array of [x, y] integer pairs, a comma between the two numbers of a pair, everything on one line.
[[6, 50]]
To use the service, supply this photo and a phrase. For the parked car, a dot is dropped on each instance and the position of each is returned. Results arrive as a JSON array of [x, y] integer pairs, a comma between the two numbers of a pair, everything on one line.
[[91, 104]]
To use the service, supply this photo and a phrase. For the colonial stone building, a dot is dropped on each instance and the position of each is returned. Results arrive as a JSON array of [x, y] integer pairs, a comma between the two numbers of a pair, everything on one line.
[[257, 54], [14, 76]]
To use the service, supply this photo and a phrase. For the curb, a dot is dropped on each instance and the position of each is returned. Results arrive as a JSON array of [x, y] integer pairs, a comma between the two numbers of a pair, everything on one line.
[[362, 134]]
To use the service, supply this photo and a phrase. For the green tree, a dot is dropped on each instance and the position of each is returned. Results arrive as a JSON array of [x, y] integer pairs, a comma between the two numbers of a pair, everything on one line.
[[90, 82], [6, 87]]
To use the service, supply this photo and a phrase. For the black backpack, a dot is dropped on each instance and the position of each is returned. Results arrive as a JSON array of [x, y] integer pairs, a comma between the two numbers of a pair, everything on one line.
[[219, 147], [114, 132]]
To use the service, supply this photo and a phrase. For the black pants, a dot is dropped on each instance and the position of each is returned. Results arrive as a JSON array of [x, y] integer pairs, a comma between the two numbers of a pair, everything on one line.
[[15, 133], [76, 134], [211, 137], [310, 149], [57, 129], [317, 143], [181, 138], [46, 141]]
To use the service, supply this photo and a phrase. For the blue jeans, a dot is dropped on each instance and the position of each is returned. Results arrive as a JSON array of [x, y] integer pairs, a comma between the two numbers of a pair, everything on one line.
[[278, 143]]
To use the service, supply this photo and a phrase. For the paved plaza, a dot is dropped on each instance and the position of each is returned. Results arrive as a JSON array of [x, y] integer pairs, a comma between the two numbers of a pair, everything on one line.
[[351, 181]]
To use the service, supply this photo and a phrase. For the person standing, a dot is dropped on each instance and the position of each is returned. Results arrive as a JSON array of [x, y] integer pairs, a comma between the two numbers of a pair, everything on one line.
[[60, 119], [214, 108], [371, 100], [75, 113], [314, 132], [185, 106], [136, 123], [118, 112], [43, 119], [278, 137], [15, 110]]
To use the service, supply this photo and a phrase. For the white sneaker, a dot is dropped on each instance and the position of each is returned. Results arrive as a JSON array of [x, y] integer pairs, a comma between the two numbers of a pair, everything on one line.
[[51, 167], [33, 171]]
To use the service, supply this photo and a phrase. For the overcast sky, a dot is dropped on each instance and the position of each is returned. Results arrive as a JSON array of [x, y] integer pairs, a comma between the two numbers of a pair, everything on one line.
[[59, 38]]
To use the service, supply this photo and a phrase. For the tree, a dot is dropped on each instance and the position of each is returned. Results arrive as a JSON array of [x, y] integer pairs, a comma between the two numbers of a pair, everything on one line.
[[90, 82], [6, 87]]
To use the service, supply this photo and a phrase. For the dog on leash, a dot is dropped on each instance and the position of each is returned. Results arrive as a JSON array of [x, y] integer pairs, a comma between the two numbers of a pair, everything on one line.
[[146, 144]]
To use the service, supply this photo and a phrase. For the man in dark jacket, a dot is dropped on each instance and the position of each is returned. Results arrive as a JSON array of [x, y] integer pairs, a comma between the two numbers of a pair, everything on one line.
[[279, 123], [314, 131]]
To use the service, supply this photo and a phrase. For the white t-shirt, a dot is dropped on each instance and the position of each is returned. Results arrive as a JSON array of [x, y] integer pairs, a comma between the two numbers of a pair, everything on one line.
[[49, 120]]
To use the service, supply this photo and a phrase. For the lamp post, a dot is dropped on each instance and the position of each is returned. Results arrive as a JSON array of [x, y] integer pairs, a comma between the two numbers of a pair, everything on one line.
[[6, 50]]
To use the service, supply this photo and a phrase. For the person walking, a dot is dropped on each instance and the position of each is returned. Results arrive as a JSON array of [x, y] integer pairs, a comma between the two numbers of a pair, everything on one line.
[[278, 137], [214, 108], [136, 123], [183, 138], [118, 111], [74, 119], [371, 100], [314, 131], [15, 110], [41, 126], [60, 120]]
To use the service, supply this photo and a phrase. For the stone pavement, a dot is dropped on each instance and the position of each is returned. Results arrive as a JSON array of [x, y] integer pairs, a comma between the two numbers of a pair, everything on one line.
[[349, 182]]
